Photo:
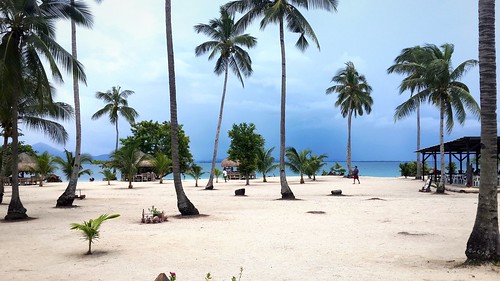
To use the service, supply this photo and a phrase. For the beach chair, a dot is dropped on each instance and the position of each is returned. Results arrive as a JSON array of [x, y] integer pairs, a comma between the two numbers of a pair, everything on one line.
[[80, 196]]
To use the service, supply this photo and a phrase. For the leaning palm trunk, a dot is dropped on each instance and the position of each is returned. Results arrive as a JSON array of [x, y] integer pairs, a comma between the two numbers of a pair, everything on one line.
[[286, 192], [440, 186], [183, 204], [66, 199], [349, 160], [16, 209], [484, 242], [210, 184]]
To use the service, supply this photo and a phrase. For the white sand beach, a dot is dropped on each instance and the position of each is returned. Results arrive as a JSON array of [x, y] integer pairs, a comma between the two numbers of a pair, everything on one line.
[[382, 229]]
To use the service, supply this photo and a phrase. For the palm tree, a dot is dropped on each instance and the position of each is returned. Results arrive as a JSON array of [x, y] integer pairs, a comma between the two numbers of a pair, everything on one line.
[[116, 104], [411, 62], [196, 172], [314, 164], [265, 162], [127, 160], [217, 174], [484, 242], [278, 11], [183, 204], [108, 175], [90, 229], [66, 199], [439, 85], [298, 161], [353, 98], [162, 165], [66, 164], [28, 38], [45, 164], [226, 42]]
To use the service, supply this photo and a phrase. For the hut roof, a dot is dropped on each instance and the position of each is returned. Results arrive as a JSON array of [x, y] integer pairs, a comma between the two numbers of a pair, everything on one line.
[[229, 163], [26, 163]]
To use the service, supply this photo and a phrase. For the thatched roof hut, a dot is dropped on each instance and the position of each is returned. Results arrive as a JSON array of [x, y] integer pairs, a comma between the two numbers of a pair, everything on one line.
[[26, 163], [146, 162], [229, 163]]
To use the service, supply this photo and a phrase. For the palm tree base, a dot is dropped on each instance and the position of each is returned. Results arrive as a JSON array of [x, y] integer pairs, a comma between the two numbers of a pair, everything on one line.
[[209, 187], [65, 200], [480, 250], [16, 210], [1, 198], [188, 209], [287, 196]]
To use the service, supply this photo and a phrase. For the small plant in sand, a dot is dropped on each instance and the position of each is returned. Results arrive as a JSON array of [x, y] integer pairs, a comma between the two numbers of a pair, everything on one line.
[[154, 216], [90, 229], [208, 277]]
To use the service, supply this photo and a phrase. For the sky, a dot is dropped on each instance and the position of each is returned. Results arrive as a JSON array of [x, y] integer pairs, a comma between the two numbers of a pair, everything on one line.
[[126, 47]]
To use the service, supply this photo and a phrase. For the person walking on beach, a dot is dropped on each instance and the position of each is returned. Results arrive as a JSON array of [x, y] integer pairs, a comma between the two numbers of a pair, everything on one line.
[[224, 174], [355, 175]]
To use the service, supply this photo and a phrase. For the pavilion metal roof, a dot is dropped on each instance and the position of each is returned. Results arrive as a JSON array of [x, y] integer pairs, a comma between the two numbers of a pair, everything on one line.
[[461, 145]]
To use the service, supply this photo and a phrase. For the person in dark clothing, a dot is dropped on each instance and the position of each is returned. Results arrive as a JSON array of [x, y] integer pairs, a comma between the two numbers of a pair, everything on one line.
[[355, 175]]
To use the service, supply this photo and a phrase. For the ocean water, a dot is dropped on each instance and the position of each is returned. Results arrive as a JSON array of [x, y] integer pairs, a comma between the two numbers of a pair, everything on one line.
[[366, 168]]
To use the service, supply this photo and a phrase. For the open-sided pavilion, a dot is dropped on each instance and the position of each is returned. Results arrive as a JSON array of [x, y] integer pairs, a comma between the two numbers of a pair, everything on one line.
[[462, 149]]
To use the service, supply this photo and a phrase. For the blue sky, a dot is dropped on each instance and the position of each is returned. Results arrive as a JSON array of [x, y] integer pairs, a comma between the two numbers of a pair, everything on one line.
[[126, 47]]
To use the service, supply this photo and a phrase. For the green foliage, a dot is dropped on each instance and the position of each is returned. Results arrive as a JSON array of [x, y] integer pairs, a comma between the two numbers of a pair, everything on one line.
[[245, 144], [337, 169], [297, 161], [45, 164], [452, 167], [108, 175], [196, 172], [217, 174], [90, 229], [162, 165], [68, 162], [153, 138], [410, 169], [314, 164], [126, 159], [265, 161], [153, 210]]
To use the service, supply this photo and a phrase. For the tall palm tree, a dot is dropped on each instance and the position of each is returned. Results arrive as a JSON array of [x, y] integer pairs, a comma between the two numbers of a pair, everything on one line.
[[353, 98], [225, 43], [439, 85], [45, 164], [484, 242], [66, 199], [183, 203], [279, 11], [411, 62], [265, 162], [29, 36], [116, 104], [67, 164], [297, 161]]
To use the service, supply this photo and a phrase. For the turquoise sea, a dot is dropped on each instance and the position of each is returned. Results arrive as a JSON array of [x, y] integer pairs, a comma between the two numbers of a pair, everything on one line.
[[366, 168]]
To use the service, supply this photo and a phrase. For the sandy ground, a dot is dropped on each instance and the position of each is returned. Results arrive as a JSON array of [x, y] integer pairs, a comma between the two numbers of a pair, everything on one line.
[[382, 229]]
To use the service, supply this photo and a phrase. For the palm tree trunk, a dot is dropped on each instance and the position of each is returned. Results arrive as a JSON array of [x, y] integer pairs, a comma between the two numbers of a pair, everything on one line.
[[440, 188], [286, 192], [3, 171], [484, 242], [210, 184], [419, 164], [66, 199], [349, 164], [16, 209], [183, 204], [117, 135]]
